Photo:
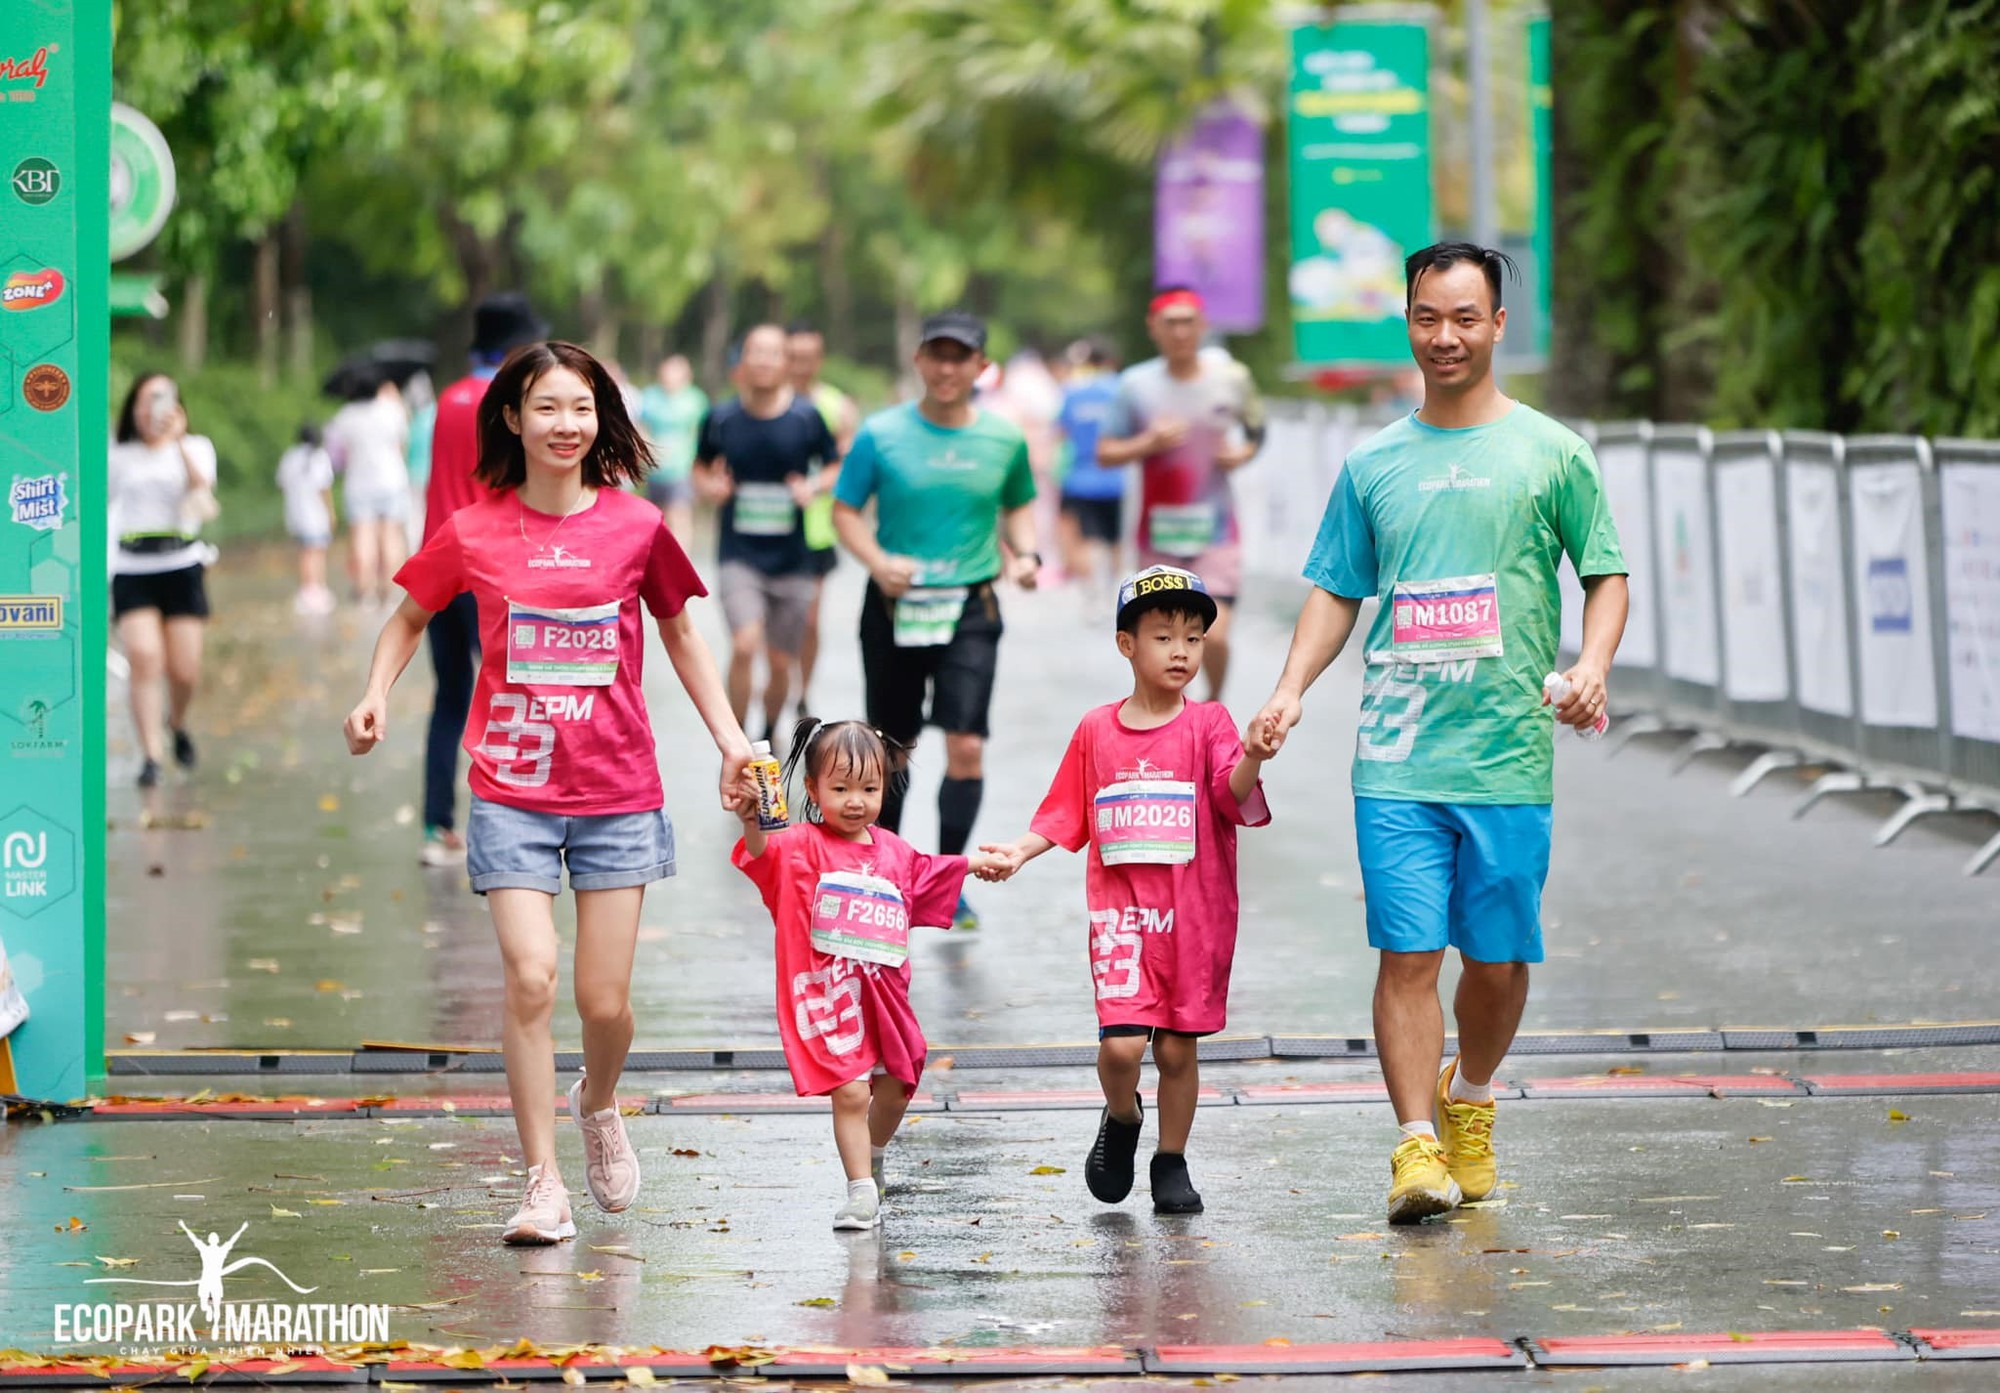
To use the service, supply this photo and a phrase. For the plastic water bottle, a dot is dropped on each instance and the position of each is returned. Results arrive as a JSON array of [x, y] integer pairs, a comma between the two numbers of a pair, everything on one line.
[[770, 777], [1556, 687]]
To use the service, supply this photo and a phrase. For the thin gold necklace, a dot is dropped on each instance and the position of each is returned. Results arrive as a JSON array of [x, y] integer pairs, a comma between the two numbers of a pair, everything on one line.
[[522, 522]]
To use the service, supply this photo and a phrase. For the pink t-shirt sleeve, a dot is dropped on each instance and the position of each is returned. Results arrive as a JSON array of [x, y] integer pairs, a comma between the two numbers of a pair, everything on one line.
[[1225, 748], [435, 576], [670, 580], [1064, 817], [932, 894], [766, 872]]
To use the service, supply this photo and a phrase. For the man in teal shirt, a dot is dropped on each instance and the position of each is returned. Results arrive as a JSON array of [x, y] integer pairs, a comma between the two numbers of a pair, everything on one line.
[[947, 478], [1455, 519]]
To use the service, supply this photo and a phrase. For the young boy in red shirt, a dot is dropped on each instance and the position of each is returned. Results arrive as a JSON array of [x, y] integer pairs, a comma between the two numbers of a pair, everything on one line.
[[1156, 786]]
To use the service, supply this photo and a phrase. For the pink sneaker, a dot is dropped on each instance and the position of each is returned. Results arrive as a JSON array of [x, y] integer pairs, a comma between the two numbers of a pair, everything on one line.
[[611, 1166], [544, 1213]]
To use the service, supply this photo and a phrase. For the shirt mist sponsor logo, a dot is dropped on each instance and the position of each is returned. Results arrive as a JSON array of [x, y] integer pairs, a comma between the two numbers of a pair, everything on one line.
[[38, 501], [1456, 478], [559, 559], [22, 78], [212, 1319]]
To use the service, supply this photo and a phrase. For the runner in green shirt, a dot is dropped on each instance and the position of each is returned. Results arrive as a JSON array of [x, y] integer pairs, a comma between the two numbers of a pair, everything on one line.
[[947, 478], [1455, 520]]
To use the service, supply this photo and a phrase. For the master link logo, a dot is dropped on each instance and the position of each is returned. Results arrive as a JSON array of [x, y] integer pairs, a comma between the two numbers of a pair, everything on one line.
[[36, 181], [37, 862]]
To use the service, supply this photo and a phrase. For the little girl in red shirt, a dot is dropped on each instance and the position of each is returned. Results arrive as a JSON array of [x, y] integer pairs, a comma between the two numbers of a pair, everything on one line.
[[843, 895]]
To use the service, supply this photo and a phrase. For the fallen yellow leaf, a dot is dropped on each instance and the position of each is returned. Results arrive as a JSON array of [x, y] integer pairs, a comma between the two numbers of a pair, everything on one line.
[[868, 1374], [329, 802], [1897, 1115], [1048, 1170]]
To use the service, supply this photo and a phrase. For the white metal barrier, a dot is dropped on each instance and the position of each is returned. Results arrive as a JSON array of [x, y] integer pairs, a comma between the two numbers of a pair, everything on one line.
[[1828, 601]]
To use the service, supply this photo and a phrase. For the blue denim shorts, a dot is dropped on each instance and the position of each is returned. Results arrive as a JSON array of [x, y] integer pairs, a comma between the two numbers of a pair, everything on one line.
[[1467, 876], [514, 849]]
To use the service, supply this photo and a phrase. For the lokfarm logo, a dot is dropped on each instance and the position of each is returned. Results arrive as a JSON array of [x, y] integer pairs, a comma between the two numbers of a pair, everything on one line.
[[229, 1324]]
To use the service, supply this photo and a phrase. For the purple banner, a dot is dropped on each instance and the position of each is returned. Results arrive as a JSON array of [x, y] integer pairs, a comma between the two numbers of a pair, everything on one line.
[[1208, 220]]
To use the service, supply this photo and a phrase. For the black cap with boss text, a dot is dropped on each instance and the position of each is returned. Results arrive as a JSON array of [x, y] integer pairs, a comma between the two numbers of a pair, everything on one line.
[[1160, 585]]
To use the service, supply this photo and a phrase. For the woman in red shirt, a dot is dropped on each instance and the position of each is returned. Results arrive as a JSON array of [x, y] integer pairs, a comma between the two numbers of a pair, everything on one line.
[[564, 773]]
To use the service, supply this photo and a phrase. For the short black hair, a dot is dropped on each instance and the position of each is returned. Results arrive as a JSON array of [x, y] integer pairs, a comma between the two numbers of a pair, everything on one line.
[[802, 326], [1175, 604], [1440, 256]]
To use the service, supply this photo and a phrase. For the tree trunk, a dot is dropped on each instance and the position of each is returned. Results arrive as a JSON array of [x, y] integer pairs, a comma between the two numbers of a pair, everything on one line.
[[715, 335], [298, 297], [264, 298], [652, 347], [837, 287], [194, 322], [909, 325]]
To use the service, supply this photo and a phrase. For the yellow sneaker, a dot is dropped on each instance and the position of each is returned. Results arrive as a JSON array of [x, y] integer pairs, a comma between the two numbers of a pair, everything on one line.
[[1423, 1185], [1465, 1130]]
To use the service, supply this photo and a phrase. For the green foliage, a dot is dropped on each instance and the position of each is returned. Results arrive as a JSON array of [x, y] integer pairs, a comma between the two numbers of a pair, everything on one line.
[[1784, 213], [251, 427]]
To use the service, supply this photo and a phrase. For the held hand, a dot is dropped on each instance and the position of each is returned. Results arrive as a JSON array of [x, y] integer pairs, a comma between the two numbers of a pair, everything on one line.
[[802, 489], [735, 778], [1024, 571], [989, 867], [741, 799], [895, 576], [1587, 695], [367, 725], [1263, 737], [998, 863], [1279, 715]]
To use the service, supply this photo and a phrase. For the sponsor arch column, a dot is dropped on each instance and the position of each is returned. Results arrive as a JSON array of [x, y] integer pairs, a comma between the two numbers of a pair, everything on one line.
[[55, 101]]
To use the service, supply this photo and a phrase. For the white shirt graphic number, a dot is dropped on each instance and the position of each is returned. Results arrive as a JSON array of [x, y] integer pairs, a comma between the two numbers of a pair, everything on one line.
[[521, 749]]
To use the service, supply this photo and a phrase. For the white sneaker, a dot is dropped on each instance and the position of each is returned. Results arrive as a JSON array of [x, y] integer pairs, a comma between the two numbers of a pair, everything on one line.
[[544, 1216], [863, 1210]]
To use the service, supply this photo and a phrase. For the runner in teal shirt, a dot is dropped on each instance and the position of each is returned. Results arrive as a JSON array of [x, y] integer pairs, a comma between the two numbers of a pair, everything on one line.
[[1454, 520], [1496, 506], [947, 479]]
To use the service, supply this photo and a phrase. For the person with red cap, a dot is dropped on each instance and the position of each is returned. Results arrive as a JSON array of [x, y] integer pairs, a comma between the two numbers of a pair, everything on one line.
[[1190, 418]]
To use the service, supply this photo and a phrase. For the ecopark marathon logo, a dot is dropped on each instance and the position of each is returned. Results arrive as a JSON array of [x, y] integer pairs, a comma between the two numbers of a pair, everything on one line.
[[1455, 478], [227, 1324], [559, 559], [31, 290]]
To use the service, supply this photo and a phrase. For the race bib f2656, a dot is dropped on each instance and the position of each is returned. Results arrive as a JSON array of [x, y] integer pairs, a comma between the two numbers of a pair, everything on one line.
[[860, 917]]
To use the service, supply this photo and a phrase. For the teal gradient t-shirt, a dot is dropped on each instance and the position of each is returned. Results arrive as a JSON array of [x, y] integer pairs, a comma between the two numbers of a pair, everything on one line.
[[1465, 528], [941, 492]]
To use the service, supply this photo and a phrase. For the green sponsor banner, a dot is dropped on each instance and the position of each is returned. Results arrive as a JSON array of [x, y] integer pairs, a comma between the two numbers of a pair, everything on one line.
[[1541, 144], [1359, 134], [55, 99]]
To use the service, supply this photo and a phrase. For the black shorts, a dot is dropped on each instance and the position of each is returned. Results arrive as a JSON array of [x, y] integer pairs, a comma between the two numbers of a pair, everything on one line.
[[823, 562], [955, 677], [1151, 1032], [175, 594], [1101, 519]]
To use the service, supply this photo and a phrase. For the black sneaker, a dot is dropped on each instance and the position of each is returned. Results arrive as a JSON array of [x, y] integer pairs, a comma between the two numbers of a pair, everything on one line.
[[1173, 1192], [184, 752], [149, 774], [1108, 1168]]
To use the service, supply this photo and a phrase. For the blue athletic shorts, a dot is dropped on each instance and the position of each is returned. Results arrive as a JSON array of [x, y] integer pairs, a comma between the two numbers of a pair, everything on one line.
[[1462, 875], [514, 849]]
